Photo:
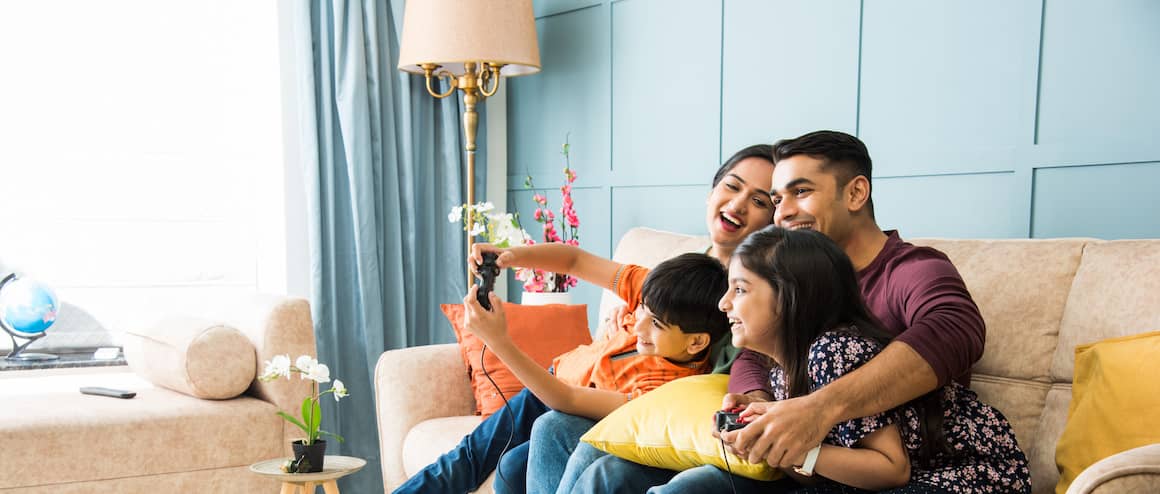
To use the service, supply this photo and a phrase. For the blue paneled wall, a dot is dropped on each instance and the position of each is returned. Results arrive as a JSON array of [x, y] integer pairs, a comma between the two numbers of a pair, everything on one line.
[[985, 119]]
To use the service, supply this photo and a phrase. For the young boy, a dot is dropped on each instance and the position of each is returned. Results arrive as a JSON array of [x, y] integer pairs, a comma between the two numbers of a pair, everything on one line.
[[674, 322]]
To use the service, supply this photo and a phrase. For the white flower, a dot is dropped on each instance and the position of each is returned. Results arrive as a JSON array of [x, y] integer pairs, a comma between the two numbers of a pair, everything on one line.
[[477, 229], [484, 207], [339, 390], [277, 367], [319, 373], [305, 365], [455, 215]]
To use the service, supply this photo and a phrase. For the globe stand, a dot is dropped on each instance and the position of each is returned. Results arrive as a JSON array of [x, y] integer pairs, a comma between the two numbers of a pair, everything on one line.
[[18, 354]]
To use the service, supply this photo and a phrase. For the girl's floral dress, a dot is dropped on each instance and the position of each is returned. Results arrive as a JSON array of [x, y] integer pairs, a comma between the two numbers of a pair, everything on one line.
[[984, 456]]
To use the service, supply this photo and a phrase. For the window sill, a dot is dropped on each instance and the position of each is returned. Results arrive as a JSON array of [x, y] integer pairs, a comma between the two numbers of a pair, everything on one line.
[[66, 360]]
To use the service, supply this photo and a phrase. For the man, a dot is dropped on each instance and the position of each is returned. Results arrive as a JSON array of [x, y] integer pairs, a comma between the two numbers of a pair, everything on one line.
[[821, 181]]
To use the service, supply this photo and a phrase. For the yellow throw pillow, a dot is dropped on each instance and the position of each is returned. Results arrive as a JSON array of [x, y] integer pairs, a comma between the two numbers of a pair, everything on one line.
[[672, 427], [1115, 402]]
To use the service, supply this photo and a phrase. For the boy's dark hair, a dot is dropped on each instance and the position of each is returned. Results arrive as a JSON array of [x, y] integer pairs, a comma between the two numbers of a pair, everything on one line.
[[838, 150], [684, 291], [763, 151]]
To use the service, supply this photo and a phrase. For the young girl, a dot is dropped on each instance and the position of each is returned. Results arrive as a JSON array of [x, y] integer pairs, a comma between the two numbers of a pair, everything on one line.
[[820, 329]]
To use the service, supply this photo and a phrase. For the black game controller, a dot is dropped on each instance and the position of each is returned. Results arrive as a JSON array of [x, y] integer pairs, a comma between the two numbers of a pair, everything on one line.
[[727, 421], [487, 271]]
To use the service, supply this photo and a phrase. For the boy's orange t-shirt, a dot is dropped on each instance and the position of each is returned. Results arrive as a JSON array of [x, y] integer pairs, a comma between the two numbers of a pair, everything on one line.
[[613, 362]]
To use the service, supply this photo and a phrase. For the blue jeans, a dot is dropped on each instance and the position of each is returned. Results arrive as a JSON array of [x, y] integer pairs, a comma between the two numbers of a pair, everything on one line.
[[466, 466], [554, 437], [610, 474]]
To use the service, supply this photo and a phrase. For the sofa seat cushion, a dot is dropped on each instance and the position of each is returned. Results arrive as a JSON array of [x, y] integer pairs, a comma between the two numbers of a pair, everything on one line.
[[56, 435], [431, 438]]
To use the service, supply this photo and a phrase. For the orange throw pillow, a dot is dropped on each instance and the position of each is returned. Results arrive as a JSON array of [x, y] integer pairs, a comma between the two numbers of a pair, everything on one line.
[[542, 331]]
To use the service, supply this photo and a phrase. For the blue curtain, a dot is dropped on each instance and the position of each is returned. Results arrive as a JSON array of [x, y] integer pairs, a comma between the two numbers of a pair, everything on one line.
[[389, 169]]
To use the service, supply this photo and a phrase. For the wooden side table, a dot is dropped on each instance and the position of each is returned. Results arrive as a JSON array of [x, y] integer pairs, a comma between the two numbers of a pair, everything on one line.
[[334, 468]]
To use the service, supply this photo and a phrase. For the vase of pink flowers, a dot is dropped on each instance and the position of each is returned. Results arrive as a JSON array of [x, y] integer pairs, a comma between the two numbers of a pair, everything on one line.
[[561, 226]]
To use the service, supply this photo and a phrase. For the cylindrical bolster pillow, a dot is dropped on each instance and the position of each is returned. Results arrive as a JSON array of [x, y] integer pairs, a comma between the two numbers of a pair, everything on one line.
[[194, 356]]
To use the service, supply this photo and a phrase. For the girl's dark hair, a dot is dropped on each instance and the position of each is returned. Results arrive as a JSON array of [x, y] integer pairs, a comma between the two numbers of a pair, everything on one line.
[[817, 291], [763, 151]]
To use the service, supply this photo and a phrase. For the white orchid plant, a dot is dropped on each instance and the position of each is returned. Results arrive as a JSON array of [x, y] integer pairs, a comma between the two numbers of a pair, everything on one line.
[[499, 229], [307, 368]]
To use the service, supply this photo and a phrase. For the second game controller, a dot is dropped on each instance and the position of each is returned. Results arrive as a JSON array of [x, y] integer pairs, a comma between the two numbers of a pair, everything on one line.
[[488, 270], [727, 421]]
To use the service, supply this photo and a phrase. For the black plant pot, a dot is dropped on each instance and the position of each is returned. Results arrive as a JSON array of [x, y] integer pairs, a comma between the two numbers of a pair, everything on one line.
[[308, 458]]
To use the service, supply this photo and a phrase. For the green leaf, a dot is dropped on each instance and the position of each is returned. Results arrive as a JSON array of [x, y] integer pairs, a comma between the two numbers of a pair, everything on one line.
[[293, 420], [311, 416], [336, 436]]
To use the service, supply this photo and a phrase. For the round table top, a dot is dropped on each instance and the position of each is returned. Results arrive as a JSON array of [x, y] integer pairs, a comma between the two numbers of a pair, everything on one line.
[[333, 467]]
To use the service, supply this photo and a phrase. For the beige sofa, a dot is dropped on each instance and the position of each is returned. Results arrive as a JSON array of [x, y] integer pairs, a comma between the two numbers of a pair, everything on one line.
[[1040, 298], [57, 440]]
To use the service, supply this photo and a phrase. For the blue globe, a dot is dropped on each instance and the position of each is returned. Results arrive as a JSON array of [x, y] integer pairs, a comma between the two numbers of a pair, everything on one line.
[[26, 306]]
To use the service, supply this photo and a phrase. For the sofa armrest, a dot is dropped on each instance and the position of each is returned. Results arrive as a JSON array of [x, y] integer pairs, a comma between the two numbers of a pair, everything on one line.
[[276, 325], [413, 385], [1133, 471]]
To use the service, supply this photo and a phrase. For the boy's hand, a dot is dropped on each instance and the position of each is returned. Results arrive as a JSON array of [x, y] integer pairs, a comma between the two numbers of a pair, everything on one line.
[[489, 326], [504, 257]]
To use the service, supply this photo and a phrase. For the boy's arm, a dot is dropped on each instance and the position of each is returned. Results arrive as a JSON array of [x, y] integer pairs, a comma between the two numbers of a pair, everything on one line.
[[553, 257], [491, 327]]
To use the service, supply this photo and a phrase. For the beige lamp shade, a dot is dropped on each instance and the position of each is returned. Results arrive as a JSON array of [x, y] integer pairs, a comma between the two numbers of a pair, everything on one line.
[[451, 32]]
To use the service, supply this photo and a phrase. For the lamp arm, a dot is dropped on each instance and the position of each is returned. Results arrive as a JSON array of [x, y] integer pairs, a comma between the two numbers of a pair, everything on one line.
[[429, 70], [492, 73]]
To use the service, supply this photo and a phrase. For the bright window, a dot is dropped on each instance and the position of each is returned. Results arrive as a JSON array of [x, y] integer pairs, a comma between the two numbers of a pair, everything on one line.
[[141, 163]]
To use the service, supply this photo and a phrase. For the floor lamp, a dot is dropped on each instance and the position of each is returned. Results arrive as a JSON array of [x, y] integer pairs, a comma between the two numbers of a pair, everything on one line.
[[471, 43]]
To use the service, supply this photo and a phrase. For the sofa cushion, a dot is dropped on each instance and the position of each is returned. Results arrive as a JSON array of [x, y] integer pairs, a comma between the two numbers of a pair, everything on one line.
[[194, 356], [159, 431], [1022, 307], [671, 427], [1115, 293], [1113, 405], [541, 331], [431, 438]]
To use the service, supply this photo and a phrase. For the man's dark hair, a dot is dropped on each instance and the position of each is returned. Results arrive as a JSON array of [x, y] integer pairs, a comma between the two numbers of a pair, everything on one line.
[[843, 153], [684, 291], [763, 151]]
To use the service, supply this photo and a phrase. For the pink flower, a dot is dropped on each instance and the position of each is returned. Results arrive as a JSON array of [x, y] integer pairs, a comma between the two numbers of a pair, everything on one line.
[[541, 200], [539, 214]]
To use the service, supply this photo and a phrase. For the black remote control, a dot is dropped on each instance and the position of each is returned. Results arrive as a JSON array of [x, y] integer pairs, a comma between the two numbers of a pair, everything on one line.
[[115, 393], [727, 421], [487, 273]]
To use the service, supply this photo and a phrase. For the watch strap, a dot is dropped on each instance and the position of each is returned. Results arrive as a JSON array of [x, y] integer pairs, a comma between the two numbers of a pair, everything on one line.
[[807, 467]]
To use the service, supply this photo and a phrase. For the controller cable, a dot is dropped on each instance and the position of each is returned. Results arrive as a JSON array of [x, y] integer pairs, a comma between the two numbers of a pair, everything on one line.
[[725, 455], [511, 418]]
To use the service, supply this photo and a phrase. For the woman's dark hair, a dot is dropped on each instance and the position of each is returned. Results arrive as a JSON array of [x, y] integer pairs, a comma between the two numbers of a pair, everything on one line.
[[763, 151], [817, 291]]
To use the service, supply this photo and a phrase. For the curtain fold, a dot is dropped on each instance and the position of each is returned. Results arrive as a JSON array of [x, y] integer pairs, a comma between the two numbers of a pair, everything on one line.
[[383, 255]]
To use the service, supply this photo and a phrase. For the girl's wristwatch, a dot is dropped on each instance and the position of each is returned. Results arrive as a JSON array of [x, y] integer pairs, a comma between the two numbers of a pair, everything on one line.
[[806, 469]]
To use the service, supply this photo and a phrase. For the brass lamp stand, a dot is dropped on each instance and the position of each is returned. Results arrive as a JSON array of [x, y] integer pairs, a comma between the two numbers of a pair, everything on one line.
[[487, 38], [475, 88]]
